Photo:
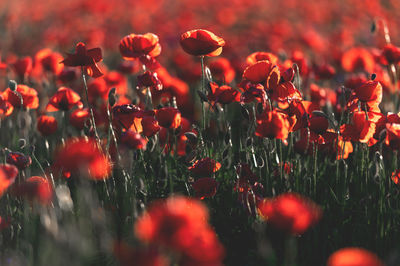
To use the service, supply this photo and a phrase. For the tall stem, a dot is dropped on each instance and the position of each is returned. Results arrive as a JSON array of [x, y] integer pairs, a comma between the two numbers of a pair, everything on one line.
[[89, 105]]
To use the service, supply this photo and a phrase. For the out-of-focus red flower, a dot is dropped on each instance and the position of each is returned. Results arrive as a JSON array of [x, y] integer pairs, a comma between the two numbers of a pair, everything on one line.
[[6, 108], [87, 59], [64, 99], [361, 130], [358, 59], [48, 60], [168, 117], [325, 71], [205, 187], [180, 224], [222, 70], [260, 56], [299, 58], [20, 160], [137, 45], [150, 126], [263, 72], [290, 212], [29, 95], [130, 256], [201, 43], [23, 66], [391, 54], [133, 140], [204, 167], [35, 188], [353, 256], [79, 117], [46, 125], [84, 156], [8, 173], [273, 125]]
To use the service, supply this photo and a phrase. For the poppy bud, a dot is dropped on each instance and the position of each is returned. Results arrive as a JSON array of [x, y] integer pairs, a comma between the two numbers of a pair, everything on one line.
[[111, 97], [12, 84]]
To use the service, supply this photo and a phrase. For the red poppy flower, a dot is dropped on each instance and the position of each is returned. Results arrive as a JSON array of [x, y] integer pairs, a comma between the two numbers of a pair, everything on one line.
[[286, 92], [137, 45], [252, 92], [393, 136], [29, 95], [333, 148], [64, 99], [318, 124], [201, 43], [221, 69], [353, 257], [35, 188], [49, 61], [391, 54], [79, 117], [180, 224], [358, 59], [84, 156], [8, 173], [150, 126], [361, 130], [133, 140], [263, 72], [205, 187], [46, 125], [396, 177], [325, 71], [273, 125], [85, 58], [370, 93], [23, 66], [6, 108], [223, 94], [204, 167], [20, 160], [128, 116], [149, 79], [261, 56], [168, 117], [290, 212]]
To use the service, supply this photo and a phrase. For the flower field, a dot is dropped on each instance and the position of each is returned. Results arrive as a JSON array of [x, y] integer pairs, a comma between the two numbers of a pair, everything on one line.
[[199, 133]]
